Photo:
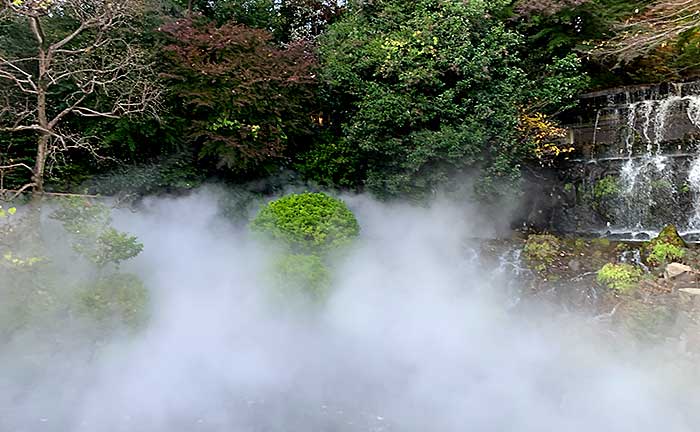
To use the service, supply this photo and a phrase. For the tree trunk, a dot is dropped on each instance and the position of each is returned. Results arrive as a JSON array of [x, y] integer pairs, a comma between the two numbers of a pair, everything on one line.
[[42, 149], [40, 165]]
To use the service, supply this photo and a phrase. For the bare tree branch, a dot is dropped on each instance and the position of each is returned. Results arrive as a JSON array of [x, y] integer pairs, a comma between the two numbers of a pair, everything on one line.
[[109, 76], [660, 24]]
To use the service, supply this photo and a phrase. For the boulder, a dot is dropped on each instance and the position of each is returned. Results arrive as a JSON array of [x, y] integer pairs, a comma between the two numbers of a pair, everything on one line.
[[675, 270], [690, 291], [670, 235]]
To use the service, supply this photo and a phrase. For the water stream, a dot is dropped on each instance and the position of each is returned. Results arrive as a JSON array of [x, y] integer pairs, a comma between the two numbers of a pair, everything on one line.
[[658, 167]]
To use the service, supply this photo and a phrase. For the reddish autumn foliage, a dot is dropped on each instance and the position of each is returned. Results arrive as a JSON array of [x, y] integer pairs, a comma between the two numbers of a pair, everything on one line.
[[246, 98]]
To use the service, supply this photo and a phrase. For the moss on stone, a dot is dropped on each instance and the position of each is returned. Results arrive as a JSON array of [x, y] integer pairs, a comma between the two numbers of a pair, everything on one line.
[[665, 253], [622, 278], [670, 235], [541, 250], [606, 187], [668, 245]]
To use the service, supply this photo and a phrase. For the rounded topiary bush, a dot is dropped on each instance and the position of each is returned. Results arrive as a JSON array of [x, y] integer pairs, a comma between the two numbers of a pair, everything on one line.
[[307, 222], [306, 274]]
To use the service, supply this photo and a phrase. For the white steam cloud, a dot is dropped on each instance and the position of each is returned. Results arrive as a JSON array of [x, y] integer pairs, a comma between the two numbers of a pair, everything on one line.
[[416, 336]]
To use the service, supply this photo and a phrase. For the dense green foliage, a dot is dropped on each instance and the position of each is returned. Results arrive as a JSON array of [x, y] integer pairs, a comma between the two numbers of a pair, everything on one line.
[[118, 297], [306, 274], [93, 236], [400, 98], [619, 277], [45, 289], [311, 227], [429, 91], [308, 222]]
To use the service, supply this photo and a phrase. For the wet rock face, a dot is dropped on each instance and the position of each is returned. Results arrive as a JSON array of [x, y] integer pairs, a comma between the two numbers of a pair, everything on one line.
[[636, 169], [660, 303]]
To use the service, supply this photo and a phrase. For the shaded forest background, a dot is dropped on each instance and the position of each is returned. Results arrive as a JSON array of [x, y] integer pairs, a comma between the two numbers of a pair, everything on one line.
[[396, 97]]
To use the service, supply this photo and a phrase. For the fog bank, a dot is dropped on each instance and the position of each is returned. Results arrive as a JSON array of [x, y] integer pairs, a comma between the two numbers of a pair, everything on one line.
[[416, 335]]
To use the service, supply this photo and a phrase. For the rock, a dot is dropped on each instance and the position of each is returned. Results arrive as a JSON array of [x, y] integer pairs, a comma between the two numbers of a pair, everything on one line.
[[691, 291], [642, 236], [654, 286], [692, 237], [574, 265], [675, 270], [670, 235]]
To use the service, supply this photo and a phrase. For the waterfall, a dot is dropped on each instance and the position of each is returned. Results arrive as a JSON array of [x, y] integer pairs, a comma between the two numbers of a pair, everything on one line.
[[647, 182], [694, 184], [638, 163], [693, 110]]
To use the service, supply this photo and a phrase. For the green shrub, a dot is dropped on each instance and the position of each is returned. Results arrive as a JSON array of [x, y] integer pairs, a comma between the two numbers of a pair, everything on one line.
[[308, 222], [606, 187], [664, 253], [619, 277], [305, 274], [113, 246], [332, 162], [118, 297], [542, 247], [88, 223]]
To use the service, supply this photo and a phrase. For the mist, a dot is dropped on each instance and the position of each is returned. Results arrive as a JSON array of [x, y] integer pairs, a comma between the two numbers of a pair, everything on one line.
[[416, 335]]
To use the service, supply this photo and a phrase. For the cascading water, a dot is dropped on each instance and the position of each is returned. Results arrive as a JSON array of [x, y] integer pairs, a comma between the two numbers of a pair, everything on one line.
[[694, 184], [650, 182], [636, 166], [642, 177], [693, 112]]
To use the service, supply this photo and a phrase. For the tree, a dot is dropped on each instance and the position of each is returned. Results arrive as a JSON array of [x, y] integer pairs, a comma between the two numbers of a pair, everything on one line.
[[429, 91], [307, 19], [287, 20], [246, 99], [545, 7], [664, 22], [75, 61], [307, 223], [557, 28], [312, 227]]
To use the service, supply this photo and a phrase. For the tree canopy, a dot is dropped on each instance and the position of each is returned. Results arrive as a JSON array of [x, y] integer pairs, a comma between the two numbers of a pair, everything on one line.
[[429, 92], [394, 97]]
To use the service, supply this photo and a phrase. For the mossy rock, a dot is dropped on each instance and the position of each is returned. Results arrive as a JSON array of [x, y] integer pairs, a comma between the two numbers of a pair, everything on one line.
[[622, 278], [664, 253], [601, 243], [607, 187], [541, 250], [668, 246], [646, 321], [669, 235]]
